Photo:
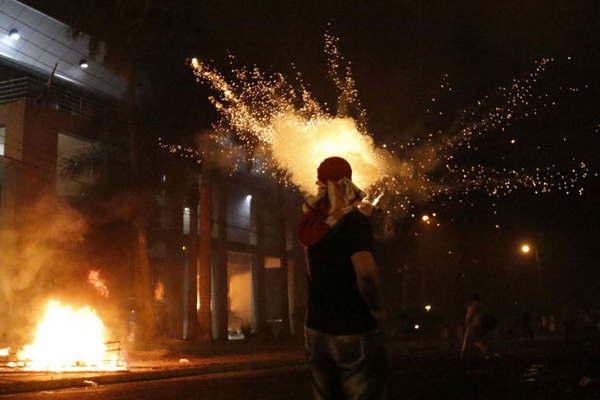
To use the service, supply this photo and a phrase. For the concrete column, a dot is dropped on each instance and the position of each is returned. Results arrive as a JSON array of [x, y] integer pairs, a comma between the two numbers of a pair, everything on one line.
[[220, 279], [285, 315], [203, 257], [258, 266]]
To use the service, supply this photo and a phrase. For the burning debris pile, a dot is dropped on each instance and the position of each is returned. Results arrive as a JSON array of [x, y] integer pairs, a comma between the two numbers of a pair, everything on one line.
[[42, 262], [68, 339]]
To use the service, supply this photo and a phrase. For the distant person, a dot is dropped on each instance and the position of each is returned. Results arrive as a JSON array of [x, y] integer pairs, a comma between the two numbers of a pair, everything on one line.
[[526, 327], [478, 325], [344, 347], [569, 321]]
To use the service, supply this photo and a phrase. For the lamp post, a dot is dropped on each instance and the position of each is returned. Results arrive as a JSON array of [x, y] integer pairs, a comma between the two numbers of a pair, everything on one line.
[[526, 248]]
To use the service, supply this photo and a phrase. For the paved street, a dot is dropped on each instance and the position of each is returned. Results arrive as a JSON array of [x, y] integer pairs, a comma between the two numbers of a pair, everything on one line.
[[557, 375]]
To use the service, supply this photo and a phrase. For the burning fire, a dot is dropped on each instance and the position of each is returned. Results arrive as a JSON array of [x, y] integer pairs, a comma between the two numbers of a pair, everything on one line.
[[69, 339], [98, 283], [159, 291]]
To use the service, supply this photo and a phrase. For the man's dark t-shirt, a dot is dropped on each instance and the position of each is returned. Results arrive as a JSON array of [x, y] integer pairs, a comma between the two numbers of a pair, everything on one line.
[[335, 305]]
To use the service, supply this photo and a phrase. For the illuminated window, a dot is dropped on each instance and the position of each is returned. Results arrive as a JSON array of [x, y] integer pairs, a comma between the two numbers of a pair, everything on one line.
[[272, 262], [187, 217], [2, 140]]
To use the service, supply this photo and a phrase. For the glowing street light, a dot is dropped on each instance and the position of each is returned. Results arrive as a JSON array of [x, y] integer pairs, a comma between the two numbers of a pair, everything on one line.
[[527, 248], [417, 327], [14, 34], [425, 218], [428, 307]]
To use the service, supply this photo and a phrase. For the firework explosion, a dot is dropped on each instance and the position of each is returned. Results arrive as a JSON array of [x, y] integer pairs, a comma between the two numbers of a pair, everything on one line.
[[286, 132]]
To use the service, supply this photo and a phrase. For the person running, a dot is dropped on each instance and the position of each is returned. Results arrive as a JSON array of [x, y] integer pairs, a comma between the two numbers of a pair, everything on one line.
[[344, 346]]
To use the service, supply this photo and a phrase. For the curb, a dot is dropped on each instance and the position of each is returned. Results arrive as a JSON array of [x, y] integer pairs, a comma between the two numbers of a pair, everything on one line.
[[126, 376]]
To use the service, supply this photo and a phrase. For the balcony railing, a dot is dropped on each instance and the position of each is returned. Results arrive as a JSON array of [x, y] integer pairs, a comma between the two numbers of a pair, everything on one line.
[[55, 97]]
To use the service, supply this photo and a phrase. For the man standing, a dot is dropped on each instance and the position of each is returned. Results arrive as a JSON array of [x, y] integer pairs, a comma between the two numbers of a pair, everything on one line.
[[344, 346]]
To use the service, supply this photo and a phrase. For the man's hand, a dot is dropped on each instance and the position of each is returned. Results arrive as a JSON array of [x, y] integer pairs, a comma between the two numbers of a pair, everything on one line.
[[367, 279]]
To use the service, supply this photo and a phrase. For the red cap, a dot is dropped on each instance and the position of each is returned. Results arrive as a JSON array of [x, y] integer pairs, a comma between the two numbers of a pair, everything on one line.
[[334, 169]]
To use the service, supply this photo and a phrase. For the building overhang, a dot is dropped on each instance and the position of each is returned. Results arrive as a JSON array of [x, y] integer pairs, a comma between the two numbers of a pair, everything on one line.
[[44, 42]]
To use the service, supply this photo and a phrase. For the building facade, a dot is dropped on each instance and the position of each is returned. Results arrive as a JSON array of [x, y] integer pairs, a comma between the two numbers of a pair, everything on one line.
[[53, 97], [226, 258], [225, 261]]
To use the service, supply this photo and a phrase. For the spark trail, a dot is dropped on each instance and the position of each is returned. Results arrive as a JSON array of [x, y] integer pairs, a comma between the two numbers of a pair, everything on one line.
[[288, 132]]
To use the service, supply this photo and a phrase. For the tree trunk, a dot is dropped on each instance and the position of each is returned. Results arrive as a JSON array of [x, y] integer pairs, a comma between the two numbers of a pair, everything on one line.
[[142, 272], [143, 286], [204, 256]]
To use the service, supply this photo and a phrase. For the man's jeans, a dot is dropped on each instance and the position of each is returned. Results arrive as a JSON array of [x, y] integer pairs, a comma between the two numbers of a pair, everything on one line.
[[352, 367]]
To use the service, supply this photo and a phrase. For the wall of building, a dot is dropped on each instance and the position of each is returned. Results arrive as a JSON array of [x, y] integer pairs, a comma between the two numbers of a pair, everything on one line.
[[30, 159], [12, 118]]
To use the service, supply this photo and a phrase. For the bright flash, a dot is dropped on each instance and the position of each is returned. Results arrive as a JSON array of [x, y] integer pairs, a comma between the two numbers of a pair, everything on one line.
[[68, 339], [377, 199]]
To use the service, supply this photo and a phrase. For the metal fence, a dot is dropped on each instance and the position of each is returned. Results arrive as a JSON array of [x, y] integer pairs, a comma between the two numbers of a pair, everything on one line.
[[54, 97]]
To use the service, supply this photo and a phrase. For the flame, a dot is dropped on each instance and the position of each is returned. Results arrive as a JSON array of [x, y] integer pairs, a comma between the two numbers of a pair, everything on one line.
[[159, 291], [69, 339], [98, 283]]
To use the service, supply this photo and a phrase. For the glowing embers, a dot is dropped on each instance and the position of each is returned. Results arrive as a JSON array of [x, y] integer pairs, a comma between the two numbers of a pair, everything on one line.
[[286, 131], [68, 339]]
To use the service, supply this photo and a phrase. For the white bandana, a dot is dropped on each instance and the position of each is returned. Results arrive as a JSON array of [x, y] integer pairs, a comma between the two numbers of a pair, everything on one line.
[[351, 195]]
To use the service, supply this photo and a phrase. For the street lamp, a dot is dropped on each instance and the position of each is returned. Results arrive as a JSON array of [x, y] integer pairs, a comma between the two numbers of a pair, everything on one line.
[[428, 307], [525, 249]]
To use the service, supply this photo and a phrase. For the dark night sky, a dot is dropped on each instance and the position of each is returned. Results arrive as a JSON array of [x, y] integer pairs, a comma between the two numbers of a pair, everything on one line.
[[399, 51]]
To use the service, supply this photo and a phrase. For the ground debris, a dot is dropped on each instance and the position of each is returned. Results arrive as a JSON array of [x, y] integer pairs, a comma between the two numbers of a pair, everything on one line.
[[90, 383]]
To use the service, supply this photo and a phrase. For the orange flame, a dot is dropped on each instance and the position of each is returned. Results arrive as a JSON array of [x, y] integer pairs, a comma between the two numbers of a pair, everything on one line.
[[159, 291], [67, 339], [98, 283]]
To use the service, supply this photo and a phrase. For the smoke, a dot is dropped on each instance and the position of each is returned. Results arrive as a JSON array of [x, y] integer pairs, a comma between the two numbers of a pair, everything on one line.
[[38, 254], [240, 292]]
